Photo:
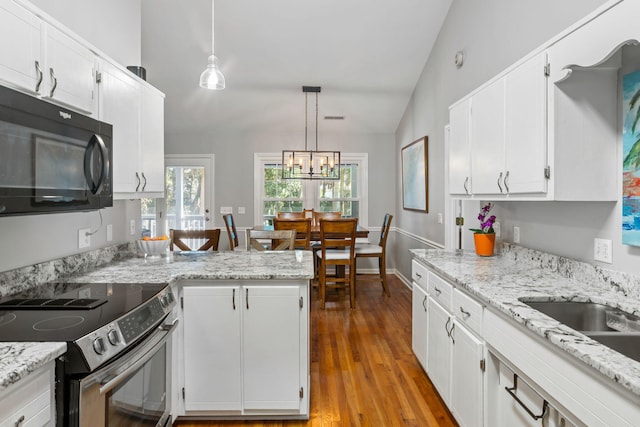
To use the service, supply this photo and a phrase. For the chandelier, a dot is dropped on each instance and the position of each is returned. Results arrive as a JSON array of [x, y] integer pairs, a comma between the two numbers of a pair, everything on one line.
[[310, 164], [212, 77]]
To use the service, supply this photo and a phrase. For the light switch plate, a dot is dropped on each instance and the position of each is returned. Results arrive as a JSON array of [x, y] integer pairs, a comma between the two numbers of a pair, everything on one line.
[[132, 227], [109, 232], [516, 234], [226, 210], [241, 210]]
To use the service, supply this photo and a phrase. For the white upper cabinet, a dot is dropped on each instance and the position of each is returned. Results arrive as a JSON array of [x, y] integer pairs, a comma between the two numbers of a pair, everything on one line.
[[41, 60], [69, 73], [555, 114], [152, 140], [525, 127], [460, 148], [487, 138], [21, 63]]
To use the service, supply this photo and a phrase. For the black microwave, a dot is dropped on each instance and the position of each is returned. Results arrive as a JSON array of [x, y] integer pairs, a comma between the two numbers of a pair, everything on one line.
[[51, 159]]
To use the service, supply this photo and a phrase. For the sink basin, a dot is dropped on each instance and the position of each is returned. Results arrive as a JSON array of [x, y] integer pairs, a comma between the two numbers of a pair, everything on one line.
[[587, 316], [624, 343]]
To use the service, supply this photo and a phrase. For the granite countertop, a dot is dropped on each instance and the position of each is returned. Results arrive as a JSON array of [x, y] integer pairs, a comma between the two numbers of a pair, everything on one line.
[[500, 281], [18, 360]]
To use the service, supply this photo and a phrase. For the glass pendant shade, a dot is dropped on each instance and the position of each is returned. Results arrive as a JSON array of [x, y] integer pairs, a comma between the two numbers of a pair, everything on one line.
[[212, 77]]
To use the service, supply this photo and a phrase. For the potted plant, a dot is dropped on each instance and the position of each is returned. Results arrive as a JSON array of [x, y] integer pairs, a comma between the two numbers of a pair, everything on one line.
[[484, 237]]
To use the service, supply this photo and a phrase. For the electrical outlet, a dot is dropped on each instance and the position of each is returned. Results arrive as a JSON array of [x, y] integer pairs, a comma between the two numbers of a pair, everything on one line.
[[109, 232], [241, 210], [84, 239], [496, 229], [516, 234], [602, 250], [440, 220], [226, 210], [132, 227]]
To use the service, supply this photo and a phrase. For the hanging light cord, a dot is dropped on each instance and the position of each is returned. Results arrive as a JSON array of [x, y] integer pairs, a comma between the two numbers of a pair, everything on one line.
[[306, 119], [316, 121]]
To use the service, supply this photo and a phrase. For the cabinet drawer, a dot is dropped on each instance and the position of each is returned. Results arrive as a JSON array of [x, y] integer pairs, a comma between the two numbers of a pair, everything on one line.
[[440, 290], [419, 274], [468, 311]]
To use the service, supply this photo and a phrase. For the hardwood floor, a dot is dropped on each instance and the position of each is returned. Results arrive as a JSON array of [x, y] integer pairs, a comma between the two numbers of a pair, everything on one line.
[[363, 372]]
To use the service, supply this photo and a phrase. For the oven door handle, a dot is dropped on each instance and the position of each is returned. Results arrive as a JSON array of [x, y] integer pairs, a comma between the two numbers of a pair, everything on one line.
[[152, 345]]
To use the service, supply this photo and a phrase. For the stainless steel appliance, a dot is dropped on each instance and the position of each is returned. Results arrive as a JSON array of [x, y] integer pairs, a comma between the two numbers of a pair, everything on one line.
[[51, 159], [116, 368]]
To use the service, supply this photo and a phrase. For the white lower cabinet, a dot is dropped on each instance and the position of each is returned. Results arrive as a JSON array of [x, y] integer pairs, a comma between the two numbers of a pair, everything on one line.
[[419, 324], [439, 355], [467, 377], [31, 402], [245, 349], [450, 335]]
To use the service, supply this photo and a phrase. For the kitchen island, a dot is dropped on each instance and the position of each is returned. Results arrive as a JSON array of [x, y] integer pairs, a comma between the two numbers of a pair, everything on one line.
[[498, 286], [287, 270]]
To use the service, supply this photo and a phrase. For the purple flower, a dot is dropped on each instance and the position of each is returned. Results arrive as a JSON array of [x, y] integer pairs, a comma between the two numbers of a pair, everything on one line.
[[486, 222]]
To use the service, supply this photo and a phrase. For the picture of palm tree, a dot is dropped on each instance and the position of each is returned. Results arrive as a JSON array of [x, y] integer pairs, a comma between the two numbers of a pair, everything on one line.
[[631, 159]]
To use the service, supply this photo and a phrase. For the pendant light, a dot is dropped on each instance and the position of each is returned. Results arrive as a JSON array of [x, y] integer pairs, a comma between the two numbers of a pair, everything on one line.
[[310, 164], [212, 77]]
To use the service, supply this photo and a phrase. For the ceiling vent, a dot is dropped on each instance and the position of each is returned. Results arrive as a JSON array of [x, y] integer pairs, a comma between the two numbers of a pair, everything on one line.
[[334, 117]]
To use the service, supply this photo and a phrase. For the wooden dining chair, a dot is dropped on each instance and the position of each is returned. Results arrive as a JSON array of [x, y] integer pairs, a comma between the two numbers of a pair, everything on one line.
[[378, 250], [210, 237], [276, 240], [291, 215], [232, 233], [317, 216], [302, 228], [337, 248]]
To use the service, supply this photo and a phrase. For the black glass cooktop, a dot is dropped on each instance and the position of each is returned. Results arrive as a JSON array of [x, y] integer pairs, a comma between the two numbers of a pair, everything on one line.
[[68, 311]]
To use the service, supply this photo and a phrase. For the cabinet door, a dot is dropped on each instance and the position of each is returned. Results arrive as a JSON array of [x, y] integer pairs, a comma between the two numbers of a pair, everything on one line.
[[419, 324], [525, 127], [460, 149], [271, 347], [69, 74], [152, 140], [120, 106], [212, 354], [487, 139], [467, 377], [439, 355], [20, 44]]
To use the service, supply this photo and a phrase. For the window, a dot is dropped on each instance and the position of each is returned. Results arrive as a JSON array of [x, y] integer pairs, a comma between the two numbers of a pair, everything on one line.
[[274, 194]]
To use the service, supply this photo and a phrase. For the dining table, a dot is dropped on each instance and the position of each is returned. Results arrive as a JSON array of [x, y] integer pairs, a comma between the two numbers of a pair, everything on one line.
[[361, 232]]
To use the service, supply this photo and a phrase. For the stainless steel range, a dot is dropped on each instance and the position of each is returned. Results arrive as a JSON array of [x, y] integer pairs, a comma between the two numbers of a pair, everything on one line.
[[115, 369]]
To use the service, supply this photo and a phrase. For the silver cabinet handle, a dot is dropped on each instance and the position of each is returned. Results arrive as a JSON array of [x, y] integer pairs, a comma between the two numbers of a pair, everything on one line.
[[453, 326], [54, 82], [506, 180], [234, 299], [446, 327], [145, 181], [438, 291], [40, 76], [499, 178], [512, 392], [464, 312], [419, 275], [466, 181], [424, 303], [19, 421], [247, 298], [139, 182]]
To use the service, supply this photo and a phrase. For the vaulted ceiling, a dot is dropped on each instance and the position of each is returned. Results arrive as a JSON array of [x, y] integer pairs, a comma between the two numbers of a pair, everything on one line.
[[367, 56]]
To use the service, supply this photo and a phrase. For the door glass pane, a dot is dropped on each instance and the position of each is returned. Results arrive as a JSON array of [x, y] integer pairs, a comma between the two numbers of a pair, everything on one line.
[[343, 195], [184, 192]]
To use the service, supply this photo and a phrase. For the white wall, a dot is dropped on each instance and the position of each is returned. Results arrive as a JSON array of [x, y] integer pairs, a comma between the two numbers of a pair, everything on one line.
[[492, 34], [114, 28]]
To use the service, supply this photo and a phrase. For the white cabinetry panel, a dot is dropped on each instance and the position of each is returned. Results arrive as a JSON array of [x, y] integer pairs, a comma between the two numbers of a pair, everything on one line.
[[466, 377], [460, 149], [439, 355], [419, 324]]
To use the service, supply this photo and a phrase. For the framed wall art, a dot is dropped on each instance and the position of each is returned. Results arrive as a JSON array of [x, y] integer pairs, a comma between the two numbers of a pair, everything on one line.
[[415, 183], [631, 159]]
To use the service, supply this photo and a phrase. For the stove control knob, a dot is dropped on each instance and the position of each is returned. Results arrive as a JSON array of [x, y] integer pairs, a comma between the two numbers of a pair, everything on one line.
[[113, 336], [164, 301], [98, 345]]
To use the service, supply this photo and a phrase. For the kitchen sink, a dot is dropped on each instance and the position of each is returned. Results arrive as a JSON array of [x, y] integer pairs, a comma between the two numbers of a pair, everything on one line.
[[587, 316], [624, 343]]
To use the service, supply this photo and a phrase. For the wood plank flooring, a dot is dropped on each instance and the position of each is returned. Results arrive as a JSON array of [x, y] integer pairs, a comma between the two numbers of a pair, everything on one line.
[[363, 372]]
